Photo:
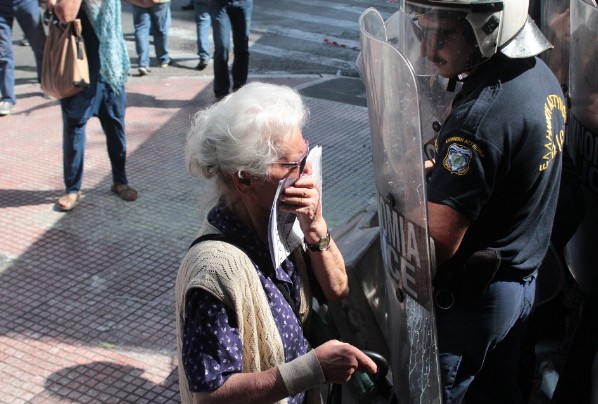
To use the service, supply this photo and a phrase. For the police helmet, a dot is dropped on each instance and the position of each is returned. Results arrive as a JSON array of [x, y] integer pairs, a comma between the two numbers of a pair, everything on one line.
[[498, 25]]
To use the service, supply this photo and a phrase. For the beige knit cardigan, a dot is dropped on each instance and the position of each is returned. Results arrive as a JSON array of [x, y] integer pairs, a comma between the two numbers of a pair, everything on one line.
[[227, 273]]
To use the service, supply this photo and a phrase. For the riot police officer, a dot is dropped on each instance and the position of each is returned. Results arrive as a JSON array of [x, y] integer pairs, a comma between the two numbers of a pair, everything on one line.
[[493, 188]]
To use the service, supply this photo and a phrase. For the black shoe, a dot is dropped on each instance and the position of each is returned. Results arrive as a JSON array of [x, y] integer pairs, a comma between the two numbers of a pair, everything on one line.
[[188, 7], [202, 64]]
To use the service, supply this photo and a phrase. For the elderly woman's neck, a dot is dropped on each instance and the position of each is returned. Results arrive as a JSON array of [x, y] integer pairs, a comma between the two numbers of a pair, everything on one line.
[[252, 218]]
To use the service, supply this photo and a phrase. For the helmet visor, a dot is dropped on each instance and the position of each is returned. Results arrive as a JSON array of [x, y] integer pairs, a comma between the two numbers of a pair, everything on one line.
[[437, 40]]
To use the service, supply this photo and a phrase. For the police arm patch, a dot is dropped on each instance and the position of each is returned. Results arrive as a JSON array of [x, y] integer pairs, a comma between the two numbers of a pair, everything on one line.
[[457, 159]]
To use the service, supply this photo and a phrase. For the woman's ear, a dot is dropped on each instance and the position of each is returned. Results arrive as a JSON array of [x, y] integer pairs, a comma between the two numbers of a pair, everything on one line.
[[242, 182]]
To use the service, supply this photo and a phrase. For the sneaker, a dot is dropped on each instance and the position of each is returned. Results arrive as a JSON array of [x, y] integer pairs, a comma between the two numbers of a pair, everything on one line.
[[202, 64], [143, 70], [166, 64], [6, 107]]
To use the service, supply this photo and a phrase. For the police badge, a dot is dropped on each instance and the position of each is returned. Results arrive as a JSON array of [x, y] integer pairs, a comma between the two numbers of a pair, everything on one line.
[[457, 159]]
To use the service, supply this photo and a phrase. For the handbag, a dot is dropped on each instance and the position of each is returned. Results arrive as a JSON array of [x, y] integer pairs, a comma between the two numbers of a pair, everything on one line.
[[65, 70]]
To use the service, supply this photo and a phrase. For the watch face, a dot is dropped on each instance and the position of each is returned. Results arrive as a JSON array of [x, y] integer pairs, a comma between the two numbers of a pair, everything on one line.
[[321, 245], [324, 242]]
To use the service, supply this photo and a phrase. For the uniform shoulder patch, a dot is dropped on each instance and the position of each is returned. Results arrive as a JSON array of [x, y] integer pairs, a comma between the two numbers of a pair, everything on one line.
[[457, 159]]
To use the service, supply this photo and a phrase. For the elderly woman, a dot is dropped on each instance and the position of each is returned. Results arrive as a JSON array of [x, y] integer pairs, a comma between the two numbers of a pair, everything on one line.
[[240, 321]]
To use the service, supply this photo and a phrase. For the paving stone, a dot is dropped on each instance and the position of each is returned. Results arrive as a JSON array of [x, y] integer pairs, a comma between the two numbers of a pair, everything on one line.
[[86, 297]]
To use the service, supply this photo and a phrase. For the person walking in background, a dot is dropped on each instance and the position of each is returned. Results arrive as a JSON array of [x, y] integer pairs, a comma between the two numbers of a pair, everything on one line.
[[203, 22], [155, 18], [230, 16], [105, 97], [27, 14]]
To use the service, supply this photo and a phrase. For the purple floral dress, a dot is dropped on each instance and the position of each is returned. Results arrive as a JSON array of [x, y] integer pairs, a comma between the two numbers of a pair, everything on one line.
[[212, 346]]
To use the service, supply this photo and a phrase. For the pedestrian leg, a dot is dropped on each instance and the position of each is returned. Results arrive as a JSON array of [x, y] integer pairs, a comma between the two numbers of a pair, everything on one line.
[[221, 28]]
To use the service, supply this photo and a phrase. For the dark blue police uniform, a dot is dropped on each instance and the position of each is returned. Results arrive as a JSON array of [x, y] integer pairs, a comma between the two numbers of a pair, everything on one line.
[[498, 162]]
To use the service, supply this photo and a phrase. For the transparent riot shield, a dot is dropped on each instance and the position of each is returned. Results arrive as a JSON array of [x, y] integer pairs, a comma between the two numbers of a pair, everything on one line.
[[404, 109], [582, 139], [574, 60], [555, 23]]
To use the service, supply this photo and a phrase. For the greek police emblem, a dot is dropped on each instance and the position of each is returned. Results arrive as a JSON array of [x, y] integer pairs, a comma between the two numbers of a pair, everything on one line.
[[457, 159]]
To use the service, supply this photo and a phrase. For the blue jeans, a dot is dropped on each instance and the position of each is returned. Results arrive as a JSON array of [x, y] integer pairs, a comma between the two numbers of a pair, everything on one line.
[[27, 15], [479, 343], [100, 100], [157, 19], [227, 16], [203, 22]]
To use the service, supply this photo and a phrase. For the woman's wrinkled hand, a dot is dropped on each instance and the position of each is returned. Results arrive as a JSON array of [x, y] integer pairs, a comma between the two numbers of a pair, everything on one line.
[[339, 361], [303, 199]]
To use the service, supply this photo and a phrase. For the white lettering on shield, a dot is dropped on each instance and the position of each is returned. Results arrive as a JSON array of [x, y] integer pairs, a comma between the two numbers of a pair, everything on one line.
[[585, 145], [399, 248]]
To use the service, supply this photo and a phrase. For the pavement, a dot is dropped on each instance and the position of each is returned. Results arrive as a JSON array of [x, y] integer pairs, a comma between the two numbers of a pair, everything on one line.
[[87, 297]]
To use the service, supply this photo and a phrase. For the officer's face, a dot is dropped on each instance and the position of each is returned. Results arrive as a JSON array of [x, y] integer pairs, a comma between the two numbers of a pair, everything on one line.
[[443, 44]]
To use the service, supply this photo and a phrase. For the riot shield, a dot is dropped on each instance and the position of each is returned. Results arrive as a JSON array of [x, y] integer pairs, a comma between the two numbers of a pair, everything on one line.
[[575, 59], [582, 139], [555, 23], [571, 28], [405, 109]]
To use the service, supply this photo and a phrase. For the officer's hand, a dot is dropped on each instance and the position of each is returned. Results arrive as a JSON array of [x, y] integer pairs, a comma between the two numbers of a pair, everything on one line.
[[429, 166]]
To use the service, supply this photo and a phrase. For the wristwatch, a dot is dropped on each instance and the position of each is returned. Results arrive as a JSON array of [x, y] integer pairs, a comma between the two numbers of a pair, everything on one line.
[[321, 245]]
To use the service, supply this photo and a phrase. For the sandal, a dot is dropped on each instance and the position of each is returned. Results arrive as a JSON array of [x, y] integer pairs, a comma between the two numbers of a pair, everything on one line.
[[125, 192], [67, 202]]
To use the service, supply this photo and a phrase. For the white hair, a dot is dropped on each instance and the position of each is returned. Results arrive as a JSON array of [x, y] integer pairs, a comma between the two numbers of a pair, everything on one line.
[[242, 133]]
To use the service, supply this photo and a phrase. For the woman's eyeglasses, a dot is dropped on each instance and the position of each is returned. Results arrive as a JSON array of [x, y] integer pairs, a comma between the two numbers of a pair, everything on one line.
[[299, 164]]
